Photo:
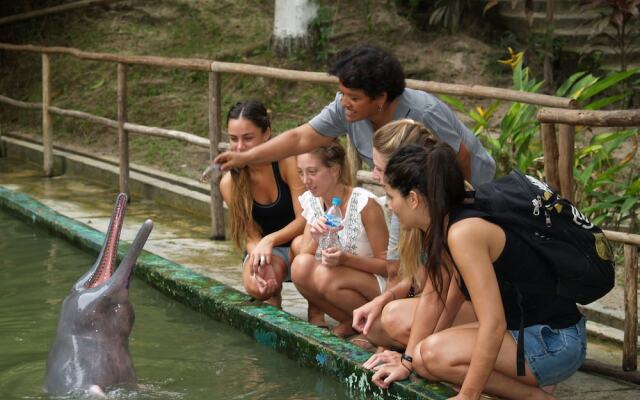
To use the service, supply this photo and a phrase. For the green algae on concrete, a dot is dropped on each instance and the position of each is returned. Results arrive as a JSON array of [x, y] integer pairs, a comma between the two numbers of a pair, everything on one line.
[[281, 331]]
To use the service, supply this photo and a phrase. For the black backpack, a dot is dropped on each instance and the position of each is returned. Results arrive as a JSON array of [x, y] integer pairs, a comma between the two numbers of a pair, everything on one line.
[[575, 249]]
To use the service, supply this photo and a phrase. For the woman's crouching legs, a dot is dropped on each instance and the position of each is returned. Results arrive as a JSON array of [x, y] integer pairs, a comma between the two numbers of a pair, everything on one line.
[[312, 280], [446, 356]]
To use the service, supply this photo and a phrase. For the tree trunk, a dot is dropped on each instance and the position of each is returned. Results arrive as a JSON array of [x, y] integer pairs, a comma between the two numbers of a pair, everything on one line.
[[291, 26]]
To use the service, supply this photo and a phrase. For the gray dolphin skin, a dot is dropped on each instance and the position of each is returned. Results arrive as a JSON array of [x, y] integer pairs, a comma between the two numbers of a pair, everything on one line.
[[91, 349]]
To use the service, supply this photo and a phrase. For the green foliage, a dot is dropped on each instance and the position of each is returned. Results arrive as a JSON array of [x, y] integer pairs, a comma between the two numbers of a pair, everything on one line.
[[609, 184], [607, 179]]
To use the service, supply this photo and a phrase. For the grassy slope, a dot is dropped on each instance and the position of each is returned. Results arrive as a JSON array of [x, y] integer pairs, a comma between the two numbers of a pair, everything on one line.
[[224, 30]]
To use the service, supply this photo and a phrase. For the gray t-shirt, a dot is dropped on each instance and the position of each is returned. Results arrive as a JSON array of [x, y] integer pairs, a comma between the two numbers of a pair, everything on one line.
[[421, 107]]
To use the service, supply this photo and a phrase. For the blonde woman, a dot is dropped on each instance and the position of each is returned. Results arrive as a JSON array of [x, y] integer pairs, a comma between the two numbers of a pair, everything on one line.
[[386, 321], [263, 204], [352, 275]]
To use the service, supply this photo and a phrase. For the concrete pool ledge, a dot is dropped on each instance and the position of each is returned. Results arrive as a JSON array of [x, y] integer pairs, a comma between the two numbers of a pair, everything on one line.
[[277, 329]]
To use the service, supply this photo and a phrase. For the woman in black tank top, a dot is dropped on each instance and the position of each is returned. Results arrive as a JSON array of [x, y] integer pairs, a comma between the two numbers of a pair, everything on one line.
[[425, 188], [263, 204]]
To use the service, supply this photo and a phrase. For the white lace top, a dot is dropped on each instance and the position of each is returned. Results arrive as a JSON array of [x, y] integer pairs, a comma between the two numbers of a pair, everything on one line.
[[353, 238]]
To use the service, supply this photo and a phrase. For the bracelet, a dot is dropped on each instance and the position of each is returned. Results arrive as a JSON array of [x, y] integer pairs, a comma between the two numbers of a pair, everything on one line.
[[407, 357], [407, 368]]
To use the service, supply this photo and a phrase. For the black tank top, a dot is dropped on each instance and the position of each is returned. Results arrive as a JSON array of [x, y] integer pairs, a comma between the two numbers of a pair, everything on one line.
[[518, 262], [275, 216]]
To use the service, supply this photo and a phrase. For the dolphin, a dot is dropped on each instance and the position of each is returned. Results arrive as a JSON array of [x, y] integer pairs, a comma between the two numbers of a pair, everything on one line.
[[90, 351]]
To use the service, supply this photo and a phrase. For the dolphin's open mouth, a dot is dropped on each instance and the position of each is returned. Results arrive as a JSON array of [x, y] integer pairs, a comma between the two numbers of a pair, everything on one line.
[[107, 265]]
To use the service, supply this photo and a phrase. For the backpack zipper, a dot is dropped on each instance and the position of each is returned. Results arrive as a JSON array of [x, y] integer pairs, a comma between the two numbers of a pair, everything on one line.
[[537, 205]]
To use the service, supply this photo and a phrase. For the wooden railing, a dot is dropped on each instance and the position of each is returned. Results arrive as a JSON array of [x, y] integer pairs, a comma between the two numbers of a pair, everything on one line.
[[558, 159]]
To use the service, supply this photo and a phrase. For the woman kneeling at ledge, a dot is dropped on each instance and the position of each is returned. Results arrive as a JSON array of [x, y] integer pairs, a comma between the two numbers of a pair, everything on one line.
[[352, 275], [426, 190], [263, 204]]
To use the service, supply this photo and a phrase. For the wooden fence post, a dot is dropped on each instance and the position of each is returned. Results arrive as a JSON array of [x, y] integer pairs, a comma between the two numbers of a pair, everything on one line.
[[47, 134], [630, 345], [215, 134], [123, 135], [566, 159], [550, 147]]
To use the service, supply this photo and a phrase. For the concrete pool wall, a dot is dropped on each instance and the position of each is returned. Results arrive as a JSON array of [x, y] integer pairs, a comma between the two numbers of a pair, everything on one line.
[[279, 330]]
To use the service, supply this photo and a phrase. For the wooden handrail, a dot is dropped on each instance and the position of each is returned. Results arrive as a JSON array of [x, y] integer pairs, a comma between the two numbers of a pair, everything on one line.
[[488, 92], [623, 237], [164, 62], [590, 117]]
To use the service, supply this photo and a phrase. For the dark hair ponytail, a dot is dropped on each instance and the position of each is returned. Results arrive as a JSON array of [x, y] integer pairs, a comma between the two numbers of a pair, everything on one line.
[[435, 175]]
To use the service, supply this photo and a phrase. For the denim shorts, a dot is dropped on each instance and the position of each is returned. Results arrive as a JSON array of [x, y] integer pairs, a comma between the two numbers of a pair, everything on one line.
[[554, 354], [282, 252]]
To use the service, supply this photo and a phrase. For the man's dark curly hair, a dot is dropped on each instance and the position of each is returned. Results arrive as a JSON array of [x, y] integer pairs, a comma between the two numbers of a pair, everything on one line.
[[371, 69]]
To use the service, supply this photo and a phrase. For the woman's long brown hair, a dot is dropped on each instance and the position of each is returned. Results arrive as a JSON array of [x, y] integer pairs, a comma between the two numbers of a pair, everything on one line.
[[434, 175], [241, 220]]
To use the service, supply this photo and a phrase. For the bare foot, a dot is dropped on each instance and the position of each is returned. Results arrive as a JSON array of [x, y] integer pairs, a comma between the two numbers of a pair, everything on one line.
[[343, 330], [275, 301], [315, 316], [551, 389]]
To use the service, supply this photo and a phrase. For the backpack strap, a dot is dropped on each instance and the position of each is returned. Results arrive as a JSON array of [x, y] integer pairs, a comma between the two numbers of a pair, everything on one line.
[[520, 344]]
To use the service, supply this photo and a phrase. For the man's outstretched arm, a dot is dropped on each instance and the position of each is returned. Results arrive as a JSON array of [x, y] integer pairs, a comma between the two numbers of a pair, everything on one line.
[[289, 143]]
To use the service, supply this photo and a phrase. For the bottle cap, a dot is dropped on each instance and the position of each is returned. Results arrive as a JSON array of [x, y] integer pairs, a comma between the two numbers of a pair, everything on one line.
[[336, 201]]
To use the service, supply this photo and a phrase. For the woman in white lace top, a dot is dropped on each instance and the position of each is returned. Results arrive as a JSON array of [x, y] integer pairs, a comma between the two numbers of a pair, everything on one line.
[[344, 278]]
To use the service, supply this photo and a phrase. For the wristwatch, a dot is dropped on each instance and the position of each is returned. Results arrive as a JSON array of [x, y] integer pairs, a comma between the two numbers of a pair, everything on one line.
[[407, 357]]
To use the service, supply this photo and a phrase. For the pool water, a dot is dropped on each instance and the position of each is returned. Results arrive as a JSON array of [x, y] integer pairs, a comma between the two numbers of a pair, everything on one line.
[[177, 352]]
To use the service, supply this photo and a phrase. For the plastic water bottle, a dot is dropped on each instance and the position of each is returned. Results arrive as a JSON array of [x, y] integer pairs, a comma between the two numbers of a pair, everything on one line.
[[334, 221]]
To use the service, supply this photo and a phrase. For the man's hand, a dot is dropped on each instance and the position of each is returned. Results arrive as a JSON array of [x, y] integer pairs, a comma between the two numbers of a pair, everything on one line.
[[231, 159]]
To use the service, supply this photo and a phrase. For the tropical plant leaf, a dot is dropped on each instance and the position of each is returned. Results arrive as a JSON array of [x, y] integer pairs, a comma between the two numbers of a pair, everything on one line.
[[563, 90], [601, 103], [607, 82]]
